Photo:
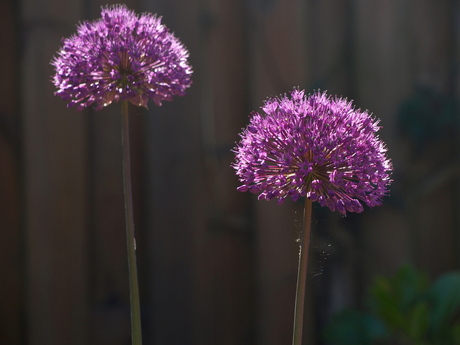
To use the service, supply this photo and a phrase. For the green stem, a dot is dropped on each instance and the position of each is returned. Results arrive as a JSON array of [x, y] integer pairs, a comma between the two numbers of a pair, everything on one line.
[[302, 275], [136, 332]]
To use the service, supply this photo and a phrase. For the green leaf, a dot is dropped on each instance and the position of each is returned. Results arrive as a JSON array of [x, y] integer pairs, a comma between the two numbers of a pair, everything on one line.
[[418, 321], [385, 304], [351, 327], [456, 333], [445, 296], [395, 300]]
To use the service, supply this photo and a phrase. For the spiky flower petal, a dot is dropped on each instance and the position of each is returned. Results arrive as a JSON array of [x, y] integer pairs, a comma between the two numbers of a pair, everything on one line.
[[314, 146], [121, 56]]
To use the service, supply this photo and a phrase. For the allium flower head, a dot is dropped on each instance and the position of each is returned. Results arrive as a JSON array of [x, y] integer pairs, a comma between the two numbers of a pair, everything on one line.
[[315, 146], [121, 56]]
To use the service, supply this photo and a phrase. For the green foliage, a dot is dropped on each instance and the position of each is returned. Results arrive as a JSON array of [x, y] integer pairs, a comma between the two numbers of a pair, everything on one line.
[[403, 309], [445, 299], [352, 327]]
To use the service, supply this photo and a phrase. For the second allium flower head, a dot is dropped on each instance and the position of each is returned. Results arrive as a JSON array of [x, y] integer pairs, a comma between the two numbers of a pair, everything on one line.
[[121, 56], [317, 147]]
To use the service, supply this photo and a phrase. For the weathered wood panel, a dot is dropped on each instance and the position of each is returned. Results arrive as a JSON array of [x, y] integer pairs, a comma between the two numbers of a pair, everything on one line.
[[278, 63], [11, 245], [217, 266], [55, 185], [403, 47]]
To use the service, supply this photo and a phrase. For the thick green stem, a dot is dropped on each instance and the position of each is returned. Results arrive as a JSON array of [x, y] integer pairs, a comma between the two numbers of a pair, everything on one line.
[[136, 331], [302, 275]]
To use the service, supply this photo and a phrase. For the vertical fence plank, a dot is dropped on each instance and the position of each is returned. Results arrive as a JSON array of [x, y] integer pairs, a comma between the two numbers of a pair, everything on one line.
[[381, 57], [401, 48], [11, 248], [174, 194], [225, 246], [431, 30], [197, 140], [55, 186], [279, 62], [216, 266]]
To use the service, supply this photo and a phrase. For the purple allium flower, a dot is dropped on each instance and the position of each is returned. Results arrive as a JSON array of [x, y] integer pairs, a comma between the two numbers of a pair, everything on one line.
[[121, 56], [317, 147]]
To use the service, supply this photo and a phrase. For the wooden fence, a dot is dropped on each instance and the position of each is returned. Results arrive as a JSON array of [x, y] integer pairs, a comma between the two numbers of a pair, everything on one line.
[[216, 266]]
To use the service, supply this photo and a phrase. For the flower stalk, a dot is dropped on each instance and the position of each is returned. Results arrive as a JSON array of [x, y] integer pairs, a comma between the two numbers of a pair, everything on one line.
[[136, 330], [302, 275]]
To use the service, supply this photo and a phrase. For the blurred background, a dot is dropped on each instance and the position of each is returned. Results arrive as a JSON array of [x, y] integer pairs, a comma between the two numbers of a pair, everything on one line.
[[217, 266]]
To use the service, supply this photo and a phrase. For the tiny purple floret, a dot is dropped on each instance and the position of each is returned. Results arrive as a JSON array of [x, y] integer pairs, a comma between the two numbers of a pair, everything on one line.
[[314, 146], [121, 56]]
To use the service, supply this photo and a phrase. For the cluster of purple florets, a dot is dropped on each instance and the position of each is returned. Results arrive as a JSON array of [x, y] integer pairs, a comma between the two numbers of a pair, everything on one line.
[[317, 147], [312, 146], [121, 56]]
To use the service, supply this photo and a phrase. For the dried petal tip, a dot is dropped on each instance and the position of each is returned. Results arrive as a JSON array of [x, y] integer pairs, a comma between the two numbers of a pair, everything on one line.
[[314, 146], [121, 56]]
